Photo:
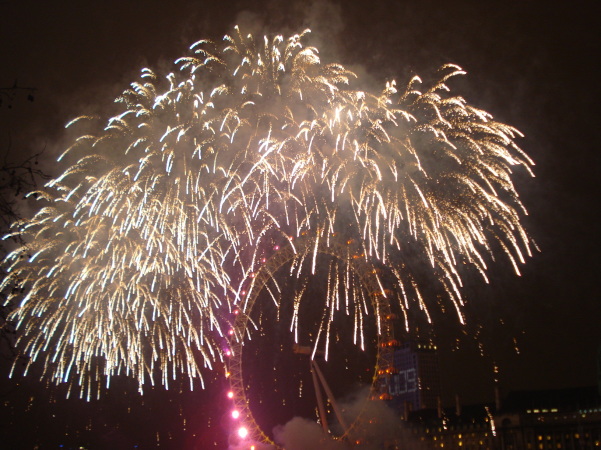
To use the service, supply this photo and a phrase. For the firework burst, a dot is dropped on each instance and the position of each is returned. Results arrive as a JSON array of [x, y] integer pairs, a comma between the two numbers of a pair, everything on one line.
[[150, 236]]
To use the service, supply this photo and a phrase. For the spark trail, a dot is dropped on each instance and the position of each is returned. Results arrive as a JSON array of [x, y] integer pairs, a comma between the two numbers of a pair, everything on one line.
[[148, 238]]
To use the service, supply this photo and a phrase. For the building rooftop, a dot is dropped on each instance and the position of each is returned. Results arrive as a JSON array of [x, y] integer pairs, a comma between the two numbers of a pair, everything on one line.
[[571, 399]]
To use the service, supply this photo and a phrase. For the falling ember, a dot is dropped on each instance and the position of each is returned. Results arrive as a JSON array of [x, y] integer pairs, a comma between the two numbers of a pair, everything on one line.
[[146, 244]]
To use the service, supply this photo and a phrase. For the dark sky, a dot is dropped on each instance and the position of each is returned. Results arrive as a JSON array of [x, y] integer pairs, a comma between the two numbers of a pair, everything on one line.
[[530, 63]]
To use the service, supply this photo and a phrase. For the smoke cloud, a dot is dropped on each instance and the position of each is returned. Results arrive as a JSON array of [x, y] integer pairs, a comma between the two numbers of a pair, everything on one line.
[[301, 433], [379, 427]]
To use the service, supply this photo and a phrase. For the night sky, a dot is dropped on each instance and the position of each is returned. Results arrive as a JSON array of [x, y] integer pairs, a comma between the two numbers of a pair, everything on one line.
[[531, 64]]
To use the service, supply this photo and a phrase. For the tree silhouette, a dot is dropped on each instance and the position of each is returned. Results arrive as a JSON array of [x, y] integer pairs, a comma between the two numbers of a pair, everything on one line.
[[9, 94], [18, 177]]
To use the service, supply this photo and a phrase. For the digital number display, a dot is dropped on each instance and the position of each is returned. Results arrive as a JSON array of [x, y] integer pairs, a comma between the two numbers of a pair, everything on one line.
[[403, 382]]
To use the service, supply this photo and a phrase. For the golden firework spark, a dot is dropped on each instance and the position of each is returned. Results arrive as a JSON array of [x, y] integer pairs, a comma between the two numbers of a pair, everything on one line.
[[152, 232]]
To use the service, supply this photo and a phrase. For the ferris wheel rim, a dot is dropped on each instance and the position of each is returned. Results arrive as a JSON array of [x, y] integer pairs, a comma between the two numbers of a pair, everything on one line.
[[362, 267]]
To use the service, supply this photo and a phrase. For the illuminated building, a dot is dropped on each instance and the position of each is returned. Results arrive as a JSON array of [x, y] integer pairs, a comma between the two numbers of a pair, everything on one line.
[[414, 380], [527, 420], [552, 419]]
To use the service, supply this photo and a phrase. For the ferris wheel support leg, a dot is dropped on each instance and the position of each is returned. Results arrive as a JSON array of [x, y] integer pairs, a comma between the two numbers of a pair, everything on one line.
[[322, 411], [330, 397]]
